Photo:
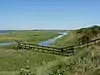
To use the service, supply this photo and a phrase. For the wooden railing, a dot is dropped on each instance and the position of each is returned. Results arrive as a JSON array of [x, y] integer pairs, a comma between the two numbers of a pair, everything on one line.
[[64, 51]]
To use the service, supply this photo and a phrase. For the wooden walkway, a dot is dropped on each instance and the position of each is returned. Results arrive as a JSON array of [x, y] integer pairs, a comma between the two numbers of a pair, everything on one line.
[[64, 51]]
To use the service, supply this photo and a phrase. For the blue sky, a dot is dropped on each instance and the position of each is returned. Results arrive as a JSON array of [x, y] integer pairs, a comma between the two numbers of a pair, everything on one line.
[[48, 14]]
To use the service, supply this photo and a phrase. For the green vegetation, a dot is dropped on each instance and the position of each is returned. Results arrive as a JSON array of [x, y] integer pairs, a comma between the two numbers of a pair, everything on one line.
[[86, 61], [14, 60], [79, 36], [86, 34], [11, 61], [28, 36]]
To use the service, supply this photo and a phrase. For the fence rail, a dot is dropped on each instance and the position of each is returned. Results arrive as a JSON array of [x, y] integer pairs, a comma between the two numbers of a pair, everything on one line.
[[64, 51]]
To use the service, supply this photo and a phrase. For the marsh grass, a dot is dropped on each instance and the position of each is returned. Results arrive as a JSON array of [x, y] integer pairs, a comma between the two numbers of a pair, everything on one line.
[[14, 60], [28, 36], [85, 62]]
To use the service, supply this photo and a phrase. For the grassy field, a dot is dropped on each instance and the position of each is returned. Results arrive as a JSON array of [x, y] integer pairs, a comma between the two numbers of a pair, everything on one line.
[[11, 61], [86, 61], [28, 36], [14, 60], [66, 40]]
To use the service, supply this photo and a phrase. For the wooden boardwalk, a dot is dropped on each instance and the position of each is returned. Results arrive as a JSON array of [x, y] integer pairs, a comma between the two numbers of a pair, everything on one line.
[[64, 51]]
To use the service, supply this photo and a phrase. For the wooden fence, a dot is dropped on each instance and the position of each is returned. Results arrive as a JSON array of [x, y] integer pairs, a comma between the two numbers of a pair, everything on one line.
[[64, 51]]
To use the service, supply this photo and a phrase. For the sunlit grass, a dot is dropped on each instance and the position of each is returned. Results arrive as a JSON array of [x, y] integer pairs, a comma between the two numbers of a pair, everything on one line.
[[29, 36], [14, 60]]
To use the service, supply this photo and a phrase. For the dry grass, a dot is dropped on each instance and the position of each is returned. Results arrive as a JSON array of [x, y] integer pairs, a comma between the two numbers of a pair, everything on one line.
[[85, 62]]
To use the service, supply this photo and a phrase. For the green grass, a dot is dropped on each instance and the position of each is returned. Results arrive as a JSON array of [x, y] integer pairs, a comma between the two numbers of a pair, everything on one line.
[[28, 36], [86, 61], [14, 60], [11, 61], [66, 40], [9, 73]]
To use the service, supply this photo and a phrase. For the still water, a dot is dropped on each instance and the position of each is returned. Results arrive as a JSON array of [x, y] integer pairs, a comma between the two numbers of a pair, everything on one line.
[[51, 41]]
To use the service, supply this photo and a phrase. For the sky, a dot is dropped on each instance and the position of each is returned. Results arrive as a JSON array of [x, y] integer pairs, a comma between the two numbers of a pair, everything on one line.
[[48, 14]]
